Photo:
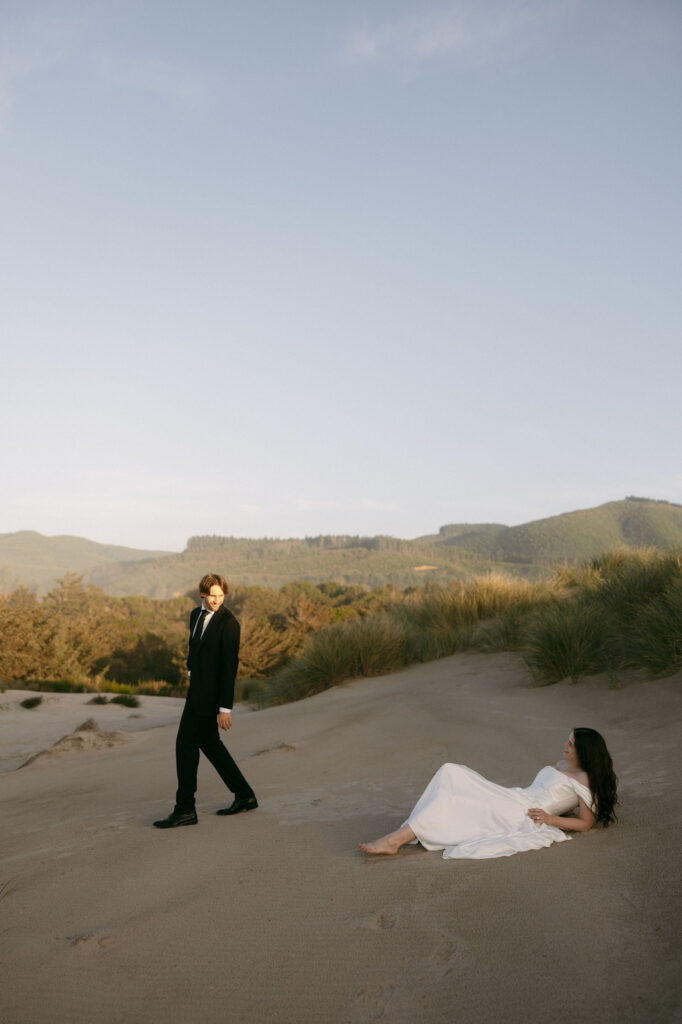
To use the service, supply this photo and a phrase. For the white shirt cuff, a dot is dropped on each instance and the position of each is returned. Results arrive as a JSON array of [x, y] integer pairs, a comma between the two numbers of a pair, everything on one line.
[[225, 711]]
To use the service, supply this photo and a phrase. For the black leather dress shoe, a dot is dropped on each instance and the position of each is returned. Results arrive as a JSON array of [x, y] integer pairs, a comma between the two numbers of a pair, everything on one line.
[[248, 803], [175, 820]]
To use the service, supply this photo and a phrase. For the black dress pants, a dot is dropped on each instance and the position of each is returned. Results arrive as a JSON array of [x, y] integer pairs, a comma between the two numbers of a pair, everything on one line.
[[200, 733]]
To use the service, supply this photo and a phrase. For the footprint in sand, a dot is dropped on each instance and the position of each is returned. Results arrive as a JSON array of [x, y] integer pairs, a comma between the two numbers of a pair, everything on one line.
[[448, 955], [90, 941], [277, 746], [382, 920], [372, 1000]]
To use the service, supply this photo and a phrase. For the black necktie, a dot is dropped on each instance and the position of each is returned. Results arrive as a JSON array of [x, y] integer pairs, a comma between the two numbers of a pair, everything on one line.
[[199, 628]]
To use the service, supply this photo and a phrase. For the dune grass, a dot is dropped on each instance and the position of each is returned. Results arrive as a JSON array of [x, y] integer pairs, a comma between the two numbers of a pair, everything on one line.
[[437, 624], [507, 632], [624, 610], [362, 647], [31, 702], [567, 639], [654, 641], [127, 700], [621, 610], [618, 611]]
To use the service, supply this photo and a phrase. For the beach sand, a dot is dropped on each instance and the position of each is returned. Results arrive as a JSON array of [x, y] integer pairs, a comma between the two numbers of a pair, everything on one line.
[[276, 916]]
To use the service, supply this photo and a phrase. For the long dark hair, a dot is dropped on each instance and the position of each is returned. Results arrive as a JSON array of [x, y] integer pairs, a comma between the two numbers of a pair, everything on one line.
[[596, 762]]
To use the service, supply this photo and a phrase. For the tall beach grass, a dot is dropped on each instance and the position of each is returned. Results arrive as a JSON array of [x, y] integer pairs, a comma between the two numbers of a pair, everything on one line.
[[437, 624], [621, 610]]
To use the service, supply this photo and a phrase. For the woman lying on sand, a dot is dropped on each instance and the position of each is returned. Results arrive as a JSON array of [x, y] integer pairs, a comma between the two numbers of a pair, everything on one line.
[[466, 816]]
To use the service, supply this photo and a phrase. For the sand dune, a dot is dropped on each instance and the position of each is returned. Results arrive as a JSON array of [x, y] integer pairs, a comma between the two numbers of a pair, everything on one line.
[[26, 733], [275, 916], [79, 742]]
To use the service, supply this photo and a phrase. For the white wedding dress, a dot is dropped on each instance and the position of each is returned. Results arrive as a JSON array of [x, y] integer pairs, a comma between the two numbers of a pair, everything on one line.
[[467, 816]]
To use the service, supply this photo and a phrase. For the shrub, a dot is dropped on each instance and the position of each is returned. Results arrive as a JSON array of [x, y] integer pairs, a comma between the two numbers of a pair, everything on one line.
[[567, 639], [128, 700], [628, 585], [99, 698], [655, 639], [31, 702], [374, 645], [427, 644], [506, 633], [329, 659], [487, 596]]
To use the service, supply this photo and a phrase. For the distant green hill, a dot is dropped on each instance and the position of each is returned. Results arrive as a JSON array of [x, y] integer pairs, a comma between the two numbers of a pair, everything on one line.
[[577, 536], [370, 561], [32, 560], [458, 551]]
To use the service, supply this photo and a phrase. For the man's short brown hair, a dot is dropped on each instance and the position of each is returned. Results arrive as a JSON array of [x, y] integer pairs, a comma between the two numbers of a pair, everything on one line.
[[212, 579]]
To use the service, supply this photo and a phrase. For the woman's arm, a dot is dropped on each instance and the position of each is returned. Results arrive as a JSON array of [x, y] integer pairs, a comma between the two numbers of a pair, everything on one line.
[[583, 823]]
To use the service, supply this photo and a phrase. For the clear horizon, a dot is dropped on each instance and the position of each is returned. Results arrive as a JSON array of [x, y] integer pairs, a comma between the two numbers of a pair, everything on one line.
[[288, 270]]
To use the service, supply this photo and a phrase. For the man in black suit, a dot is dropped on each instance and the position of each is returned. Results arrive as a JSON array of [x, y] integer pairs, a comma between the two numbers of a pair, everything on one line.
[[212, 669]]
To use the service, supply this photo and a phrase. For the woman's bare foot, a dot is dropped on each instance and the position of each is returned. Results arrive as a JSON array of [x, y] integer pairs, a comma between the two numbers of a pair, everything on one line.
[[383, 845], [391, 843]]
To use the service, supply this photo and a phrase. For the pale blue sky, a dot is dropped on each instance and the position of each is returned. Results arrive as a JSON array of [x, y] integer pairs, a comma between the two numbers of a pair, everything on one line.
[[308, 266]]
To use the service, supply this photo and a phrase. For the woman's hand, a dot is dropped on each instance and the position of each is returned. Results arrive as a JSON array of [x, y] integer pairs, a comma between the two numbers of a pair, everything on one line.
[[540, 817]]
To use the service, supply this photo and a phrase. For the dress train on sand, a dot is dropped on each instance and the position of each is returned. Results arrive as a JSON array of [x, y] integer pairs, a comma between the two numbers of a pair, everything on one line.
[[467, 816]]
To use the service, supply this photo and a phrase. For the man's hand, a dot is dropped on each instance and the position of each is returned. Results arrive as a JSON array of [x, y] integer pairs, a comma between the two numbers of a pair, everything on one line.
[[225, 719]]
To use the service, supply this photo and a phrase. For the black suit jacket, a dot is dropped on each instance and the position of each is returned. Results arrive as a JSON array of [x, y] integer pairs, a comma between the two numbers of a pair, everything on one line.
[[213, 662]]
